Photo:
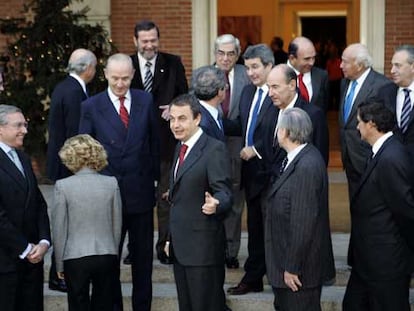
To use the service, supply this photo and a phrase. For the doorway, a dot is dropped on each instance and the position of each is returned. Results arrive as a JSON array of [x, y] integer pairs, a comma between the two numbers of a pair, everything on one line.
[[328, 33]]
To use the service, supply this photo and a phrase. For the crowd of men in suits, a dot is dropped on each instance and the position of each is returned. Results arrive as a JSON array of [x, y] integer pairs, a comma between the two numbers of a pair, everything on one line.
[[254, 134]]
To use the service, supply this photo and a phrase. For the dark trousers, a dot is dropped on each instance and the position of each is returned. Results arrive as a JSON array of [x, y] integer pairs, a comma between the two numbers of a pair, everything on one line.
[[255, 266], [22, 290], [199, 288], [307, 299], [140, 229], [363, 295], [101, 272], [163, 208], [52, 272]]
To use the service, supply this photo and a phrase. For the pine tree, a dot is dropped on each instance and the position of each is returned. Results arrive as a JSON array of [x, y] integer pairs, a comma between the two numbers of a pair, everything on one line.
[[39, 47]]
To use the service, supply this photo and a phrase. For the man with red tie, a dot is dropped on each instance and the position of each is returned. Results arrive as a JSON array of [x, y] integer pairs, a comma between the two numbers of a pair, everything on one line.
[[123, 120], [200, 196], [312, 82]]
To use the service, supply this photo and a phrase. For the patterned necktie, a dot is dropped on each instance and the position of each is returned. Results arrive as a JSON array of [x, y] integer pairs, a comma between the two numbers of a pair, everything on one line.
[[406, 110], [253, 120], [348, 100], [225, 105], [302, 88], [148, 78], [283, 166], [15, 158], [123, 113]]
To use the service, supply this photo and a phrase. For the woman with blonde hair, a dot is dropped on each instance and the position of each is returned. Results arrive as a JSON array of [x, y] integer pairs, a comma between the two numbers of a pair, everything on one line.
[[86, 225]]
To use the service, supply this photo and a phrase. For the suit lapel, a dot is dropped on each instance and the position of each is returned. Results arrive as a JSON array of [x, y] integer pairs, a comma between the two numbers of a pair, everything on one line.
[[191, 159], [237, 83], [289, 170], [248, 102], [137, 75], [108, 112], [267, 102], [135, 117], [370, 167], [316, 83], [10, 168], [159, 72], [364, 91]]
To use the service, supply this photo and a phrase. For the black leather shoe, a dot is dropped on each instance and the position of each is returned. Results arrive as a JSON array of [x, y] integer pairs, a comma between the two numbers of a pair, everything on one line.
[[243, 288], [127, 260], [164, 259], [59, 285], [232, 263]]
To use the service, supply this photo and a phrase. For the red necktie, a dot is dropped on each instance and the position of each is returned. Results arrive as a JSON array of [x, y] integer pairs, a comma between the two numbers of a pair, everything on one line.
[[123, 113], [302, 88], [225, 105], [183, 150]]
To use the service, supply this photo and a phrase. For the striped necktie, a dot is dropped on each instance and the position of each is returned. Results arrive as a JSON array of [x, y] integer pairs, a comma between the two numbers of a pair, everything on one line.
[[406, 110], [148, 78]]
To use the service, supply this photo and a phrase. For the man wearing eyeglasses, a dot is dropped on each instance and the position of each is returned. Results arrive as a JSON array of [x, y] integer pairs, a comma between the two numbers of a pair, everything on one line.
[[227, 51], [24, 223]]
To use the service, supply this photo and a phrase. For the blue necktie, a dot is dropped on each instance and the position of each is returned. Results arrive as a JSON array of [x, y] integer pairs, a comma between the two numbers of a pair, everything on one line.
[[253, 121], [406, 110], [348, 100], [15, 158]]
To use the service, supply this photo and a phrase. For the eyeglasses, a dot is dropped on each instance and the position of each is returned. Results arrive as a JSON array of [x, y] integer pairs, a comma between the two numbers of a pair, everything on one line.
[[18, 125], [229, 54]]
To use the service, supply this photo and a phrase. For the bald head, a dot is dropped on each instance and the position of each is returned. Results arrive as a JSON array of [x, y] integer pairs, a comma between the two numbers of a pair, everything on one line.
[[302, 54], [119, 72], [82, 62], [355, 60], [282, 85]]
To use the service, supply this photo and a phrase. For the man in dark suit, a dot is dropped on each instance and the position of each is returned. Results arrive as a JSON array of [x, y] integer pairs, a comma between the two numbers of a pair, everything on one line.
[[64, 118], [227, 51], [284, 94], [256, 110], [165, 80], [200, 195], [312, 82], [382, 217], [279, 54], [297, 219], [361, 83], [65, 108], [209, 86], [24, 223], [399, 97], [123, 120]]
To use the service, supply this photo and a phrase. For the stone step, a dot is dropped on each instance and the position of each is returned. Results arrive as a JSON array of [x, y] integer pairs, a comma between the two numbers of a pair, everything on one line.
[[164, 274], [165, 299]]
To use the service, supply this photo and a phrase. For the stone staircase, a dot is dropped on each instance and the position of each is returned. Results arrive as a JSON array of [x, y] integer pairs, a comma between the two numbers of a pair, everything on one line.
[[164, 291]]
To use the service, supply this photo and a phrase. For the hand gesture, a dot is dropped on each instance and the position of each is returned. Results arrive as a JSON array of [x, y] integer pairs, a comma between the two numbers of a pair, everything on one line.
[[210, 204]]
